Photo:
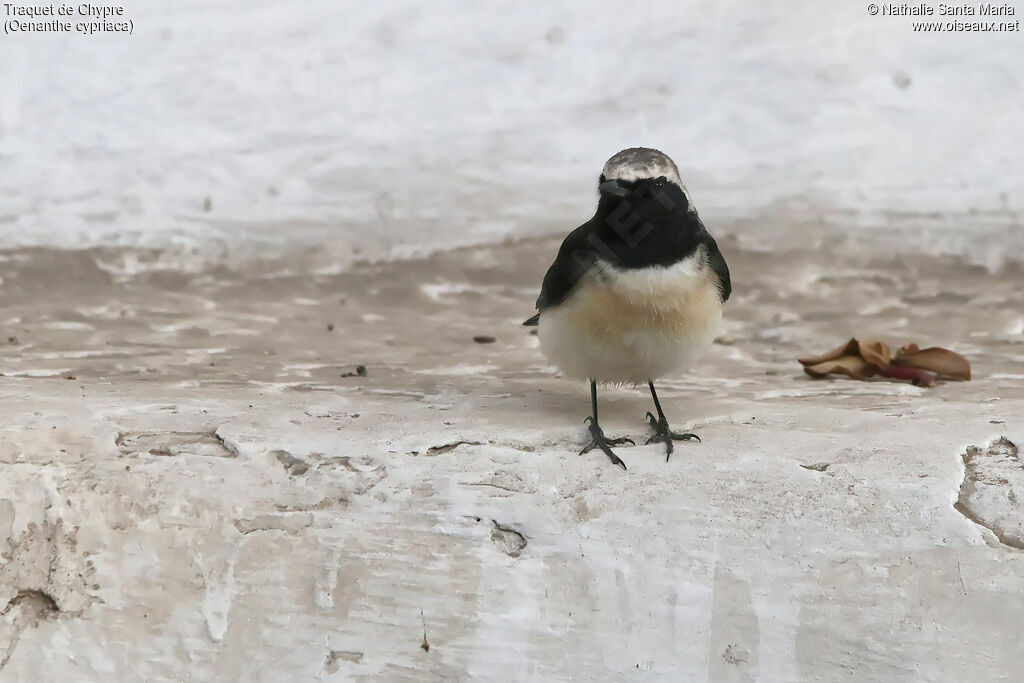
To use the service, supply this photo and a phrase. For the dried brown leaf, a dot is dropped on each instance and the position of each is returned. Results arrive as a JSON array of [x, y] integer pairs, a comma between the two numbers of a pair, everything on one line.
[[862, 359], [875, 352], [847, 349], [934, 359], [851, 366]]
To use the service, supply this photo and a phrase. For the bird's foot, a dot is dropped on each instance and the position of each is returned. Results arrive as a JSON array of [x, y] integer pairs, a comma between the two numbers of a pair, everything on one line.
[[599, 440], [667, 436]]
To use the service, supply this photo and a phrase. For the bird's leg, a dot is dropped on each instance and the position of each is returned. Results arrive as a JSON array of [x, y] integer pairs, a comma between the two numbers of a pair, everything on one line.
[[661, 429], [597, 437]]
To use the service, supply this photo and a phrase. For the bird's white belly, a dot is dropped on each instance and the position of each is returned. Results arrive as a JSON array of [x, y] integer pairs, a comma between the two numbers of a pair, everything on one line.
[[633, 325]]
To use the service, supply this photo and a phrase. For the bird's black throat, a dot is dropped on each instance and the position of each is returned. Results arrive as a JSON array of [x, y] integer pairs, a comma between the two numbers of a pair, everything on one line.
[[652, 225]]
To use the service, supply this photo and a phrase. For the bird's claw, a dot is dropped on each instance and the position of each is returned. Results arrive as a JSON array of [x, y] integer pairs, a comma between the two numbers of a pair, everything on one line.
[[599, 440], [677, 436], [667, 436]]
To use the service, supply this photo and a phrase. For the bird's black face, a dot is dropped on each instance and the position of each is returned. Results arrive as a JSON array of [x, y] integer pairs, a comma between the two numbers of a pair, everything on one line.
[[662, 190], [613, 188]]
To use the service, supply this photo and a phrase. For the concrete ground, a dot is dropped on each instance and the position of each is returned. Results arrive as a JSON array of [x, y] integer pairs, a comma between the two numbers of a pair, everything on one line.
[[199, 482]]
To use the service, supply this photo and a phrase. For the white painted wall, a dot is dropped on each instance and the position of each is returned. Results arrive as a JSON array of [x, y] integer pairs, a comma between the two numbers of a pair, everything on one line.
[[383, 127]]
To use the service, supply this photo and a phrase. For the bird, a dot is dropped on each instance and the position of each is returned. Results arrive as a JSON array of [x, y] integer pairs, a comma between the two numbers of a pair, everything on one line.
[[636, 293]]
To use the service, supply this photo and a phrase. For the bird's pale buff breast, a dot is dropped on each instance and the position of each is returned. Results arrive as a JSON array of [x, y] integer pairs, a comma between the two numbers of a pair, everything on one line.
[[633, 325]]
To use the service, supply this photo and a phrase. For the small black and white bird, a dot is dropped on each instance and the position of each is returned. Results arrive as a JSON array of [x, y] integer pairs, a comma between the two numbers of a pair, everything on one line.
[[636, 292]]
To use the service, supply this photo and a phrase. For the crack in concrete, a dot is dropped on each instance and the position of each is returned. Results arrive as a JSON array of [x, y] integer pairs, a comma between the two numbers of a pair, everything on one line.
[[28, 607], [174, 443], [448, 447], [292, 465], [482, 483], [512, 541], [288, 522], [42, 578], [332, 662], [986, 490], [229, 446], [328, 503], [40, 603]]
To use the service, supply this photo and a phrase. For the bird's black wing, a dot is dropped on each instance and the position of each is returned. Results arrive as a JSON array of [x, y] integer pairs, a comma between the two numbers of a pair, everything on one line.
[[717, 263], [575, 257]]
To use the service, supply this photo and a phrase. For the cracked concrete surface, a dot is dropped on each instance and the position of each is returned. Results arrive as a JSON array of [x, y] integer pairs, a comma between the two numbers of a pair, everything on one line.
[[42, 577], [992, 493], [815, 534]]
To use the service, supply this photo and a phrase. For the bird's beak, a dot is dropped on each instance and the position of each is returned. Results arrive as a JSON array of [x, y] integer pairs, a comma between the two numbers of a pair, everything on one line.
[[612, 189]]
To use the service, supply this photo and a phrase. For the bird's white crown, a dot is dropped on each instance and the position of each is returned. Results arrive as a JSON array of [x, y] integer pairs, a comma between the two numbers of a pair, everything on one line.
[[641, 163]]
